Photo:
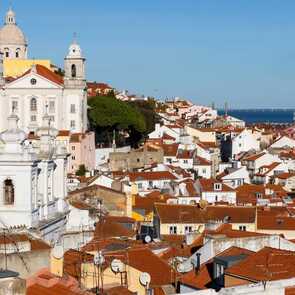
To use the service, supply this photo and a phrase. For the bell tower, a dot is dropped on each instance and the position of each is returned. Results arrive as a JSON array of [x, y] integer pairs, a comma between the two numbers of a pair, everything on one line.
[[74, 66]]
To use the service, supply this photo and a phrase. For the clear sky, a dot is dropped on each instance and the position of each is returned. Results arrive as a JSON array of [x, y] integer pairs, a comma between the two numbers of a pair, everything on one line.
[[240, 51]]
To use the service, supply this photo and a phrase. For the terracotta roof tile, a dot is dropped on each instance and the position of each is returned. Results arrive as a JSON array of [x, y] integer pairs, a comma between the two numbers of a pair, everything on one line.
[[267, 264], [208, 185], [152, 175], [170, 213], [46, 283]]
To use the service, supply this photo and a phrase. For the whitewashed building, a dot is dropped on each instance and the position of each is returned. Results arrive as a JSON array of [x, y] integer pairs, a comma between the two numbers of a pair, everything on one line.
[[33, 180], [40, 90]]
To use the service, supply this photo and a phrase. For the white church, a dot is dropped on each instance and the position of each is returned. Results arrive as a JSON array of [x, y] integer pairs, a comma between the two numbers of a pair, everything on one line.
[[41, 90], [33, 178]]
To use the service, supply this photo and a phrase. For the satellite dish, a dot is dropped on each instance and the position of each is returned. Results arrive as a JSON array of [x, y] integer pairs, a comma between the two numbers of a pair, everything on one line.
[[147, 239], [145, 279], [58, 252], [98, 258], [117, 266]]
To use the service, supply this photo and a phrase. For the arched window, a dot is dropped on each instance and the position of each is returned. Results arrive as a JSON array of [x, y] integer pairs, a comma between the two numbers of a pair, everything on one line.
[[6, 52], [33, 104], [17, 52], [8, 192], [74, 71]]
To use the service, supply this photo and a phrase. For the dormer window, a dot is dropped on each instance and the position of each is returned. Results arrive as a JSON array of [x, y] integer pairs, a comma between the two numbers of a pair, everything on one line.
[[217, 186]]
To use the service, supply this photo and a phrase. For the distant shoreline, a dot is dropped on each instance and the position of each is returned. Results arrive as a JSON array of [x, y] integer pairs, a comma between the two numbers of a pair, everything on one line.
[[266, 115]]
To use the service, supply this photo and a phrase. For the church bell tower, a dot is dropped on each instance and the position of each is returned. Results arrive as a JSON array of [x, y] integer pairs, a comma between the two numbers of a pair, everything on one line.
[[74, 66]]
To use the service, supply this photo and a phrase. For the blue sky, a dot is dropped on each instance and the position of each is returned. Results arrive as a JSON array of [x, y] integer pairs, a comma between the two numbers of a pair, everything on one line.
[[239, 51]]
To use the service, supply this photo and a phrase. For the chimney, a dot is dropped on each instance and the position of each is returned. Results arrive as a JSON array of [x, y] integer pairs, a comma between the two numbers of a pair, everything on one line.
[[197, 262]]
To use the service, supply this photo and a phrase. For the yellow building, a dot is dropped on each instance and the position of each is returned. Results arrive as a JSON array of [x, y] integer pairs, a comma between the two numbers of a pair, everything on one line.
[[17, 67]]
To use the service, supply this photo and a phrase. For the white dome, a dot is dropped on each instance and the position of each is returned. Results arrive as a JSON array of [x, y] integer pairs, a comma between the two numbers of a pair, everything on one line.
[[75, 51], [11, 34]]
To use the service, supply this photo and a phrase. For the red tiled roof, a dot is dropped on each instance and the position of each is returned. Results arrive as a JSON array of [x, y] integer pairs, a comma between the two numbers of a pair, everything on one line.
[[172, 213], [145, 260], [202, 161], [147, 203], [45, 73], [15, 238], [152, 175], [170, 150], [254, 157], [63, 133], [285, 175], [46, 283], [267, 264], [184, 154], [207, 185], [204, 277]]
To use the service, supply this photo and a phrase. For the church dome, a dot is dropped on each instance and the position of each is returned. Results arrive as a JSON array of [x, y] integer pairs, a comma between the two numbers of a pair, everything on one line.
[[10, 33], [75, 51]]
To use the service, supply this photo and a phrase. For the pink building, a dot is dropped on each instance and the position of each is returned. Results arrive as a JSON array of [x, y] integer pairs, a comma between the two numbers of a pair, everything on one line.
[[82, 149]]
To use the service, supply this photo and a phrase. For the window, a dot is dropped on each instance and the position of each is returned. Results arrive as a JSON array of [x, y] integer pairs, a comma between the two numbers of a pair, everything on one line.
[[204, 171], [51, 106], [14, 106], [185, 161], [219, 270], [33, 105], [73, 148], [73, 108], [73, 158], [73, 124], [17, 53], [242, 227], [188, 229], [217, 186], [8, 192], [173, 230], [6, 52], [33, 118], [74, 71], [139, 185], [150, 183], [138, 160]]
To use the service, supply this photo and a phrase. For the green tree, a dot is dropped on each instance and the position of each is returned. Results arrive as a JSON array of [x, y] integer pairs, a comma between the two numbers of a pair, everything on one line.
[[81, 171], [148, 109], [107, 114]]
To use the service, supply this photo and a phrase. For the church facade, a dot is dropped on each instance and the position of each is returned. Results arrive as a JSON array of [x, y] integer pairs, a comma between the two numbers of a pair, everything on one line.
[[40, 90], [40, 103]]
